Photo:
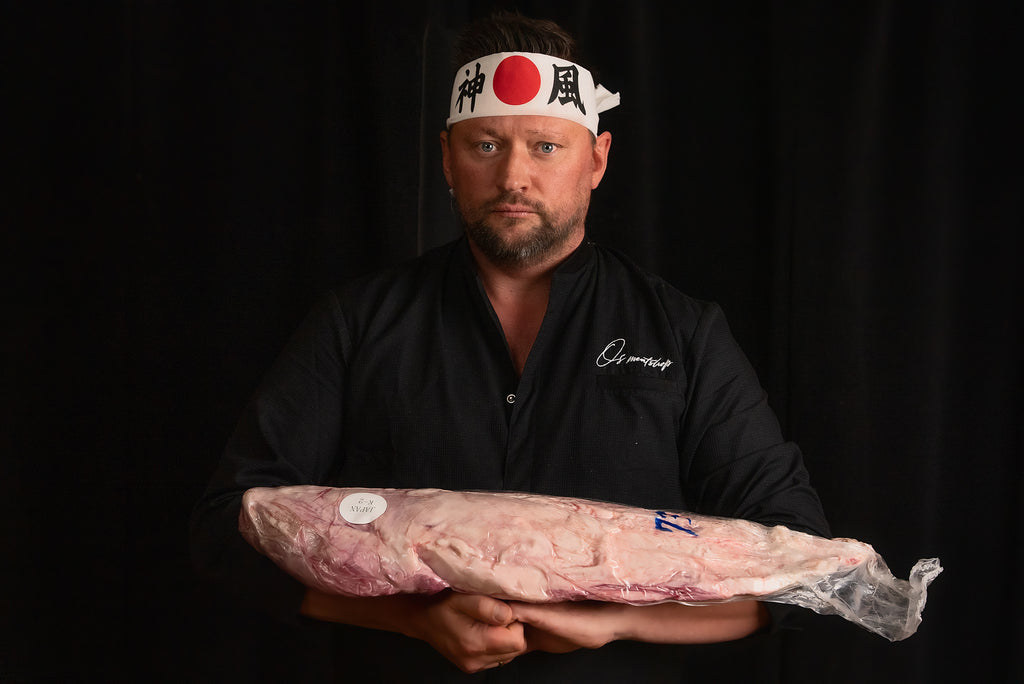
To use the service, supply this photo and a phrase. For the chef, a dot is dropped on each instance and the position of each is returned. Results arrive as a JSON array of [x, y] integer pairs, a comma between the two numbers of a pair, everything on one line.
[[521, 357]]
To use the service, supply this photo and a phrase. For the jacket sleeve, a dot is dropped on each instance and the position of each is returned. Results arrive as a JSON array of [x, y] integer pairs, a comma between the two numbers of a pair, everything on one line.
[[738, 464], [288, 434]]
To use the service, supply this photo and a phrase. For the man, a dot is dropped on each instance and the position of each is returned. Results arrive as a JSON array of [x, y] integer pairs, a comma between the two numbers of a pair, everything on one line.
[[521, 357]]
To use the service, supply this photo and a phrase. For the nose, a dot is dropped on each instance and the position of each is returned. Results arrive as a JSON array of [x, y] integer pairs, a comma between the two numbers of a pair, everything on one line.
[[515, 170]]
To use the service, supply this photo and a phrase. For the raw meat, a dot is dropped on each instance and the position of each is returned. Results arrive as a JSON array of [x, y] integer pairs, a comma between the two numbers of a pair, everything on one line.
[[536, 548]]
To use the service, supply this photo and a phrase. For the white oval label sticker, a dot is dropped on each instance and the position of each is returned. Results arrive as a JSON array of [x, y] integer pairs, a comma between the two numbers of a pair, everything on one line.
[[362, 508]]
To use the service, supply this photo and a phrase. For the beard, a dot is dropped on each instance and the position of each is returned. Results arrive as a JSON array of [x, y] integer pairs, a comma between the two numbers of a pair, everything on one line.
[[530, 248]]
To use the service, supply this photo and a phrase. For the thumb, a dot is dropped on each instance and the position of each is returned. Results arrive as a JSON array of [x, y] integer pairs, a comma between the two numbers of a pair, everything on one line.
[[501, 613], [485, 609]]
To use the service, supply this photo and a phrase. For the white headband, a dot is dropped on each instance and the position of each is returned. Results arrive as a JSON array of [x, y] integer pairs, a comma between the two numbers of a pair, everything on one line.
[[518, 83]]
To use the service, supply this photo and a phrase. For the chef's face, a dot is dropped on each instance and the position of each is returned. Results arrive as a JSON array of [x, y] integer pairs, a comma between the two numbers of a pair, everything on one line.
[[523, 183]]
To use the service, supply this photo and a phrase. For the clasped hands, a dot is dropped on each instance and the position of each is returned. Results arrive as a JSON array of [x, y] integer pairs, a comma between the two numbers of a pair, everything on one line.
[[479, 632]]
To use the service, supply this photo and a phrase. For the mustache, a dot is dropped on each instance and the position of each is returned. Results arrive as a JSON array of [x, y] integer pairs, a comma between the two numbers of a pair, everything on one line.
[[514, 198]]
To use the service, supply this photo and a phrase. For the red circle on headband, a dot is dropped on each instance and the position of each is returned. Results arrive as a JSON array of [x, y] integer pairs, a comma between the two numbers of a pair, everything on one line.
[[516, 80]]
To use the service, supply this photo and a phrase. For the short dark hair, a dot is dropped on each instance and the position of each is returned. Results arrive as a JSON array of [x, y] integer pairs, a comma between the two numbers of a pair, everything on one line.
[[505, 31]]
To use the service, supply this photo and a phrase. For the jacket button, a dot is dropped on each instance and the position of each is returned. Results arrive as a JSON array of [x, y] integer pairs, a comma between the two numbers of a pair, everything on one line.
[[511, 398]]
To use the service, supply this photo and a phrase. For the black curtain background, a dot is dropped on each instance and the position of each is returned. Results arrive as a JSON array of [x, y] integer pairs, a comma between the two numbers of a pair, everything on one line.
[[184, 179]]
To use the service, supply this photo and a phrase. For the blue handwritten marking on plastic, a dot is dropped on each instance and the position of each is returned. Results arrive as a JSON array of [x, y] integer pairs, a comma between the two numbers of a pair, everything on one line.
[[661, 523]]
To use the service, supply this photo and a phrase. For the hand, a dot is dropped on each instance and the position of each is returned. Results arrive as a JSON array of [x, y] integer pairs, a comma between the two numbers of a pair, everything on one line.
[[564, 627], [473, 632]]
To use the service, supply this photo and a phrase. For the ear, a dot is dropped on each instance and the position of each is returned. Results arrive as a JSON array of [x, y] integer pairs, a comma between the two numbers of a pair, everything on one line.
[[602, 145], [446, 162]]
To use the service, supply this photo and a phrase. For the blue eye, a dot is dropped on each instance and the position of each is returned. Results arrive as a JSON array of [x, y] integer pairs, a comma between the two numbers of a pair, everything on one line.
[[487, 147], [548, 148]]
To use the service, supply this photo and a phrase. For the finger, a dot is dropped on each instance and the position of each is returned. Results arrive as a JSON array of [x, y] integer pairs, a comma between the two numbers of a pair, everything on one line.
[[501, 646], [502, 662], [505, 641]]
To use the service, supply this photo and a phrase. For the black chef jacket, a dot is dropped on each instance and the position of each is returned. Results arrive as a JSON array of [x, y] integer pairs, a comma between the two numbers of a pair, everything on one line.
[[632, 392]]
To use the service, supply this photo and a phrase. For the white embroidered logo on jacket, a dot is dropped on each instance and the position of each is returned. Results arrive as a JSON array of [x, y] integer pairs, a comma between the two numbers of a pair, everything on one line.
[[614, 353]]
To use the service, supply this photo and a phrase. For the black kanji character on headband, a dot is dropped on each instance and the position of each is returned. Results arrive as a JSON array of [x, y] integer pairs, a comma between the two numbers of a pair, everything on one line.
[[471, 87], [566, 87]]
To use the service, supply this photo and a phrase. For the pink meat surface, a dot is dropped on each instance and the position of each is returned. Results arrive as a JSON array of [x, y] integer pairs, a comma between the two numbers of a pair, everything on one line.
[[532, 548]]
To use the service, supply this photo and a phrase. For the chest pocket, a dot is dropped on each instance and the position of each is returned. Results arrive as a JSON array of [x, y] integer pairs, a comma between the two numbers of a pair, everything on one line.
[[637, 431], [640, 414]]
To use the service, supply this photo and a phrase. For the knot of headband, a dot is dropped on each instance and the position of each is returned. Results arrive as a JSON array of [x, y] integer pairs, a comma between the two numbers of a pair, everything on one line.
[[519, 83]]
